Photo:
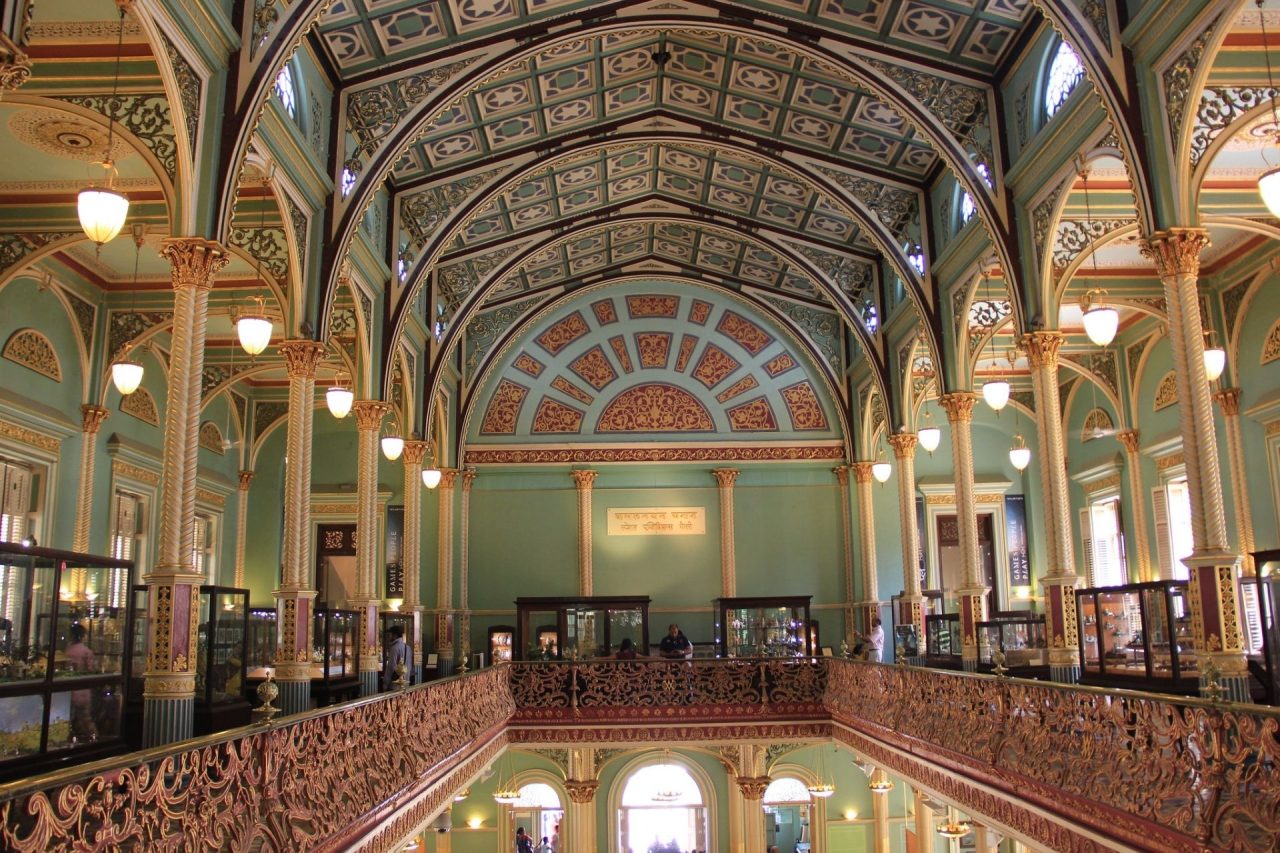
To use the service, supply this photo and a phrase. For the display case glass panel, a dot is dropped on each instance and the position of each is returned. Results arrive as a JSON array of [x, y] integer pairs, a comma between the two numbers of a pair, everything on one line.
[[1137, 635], [1024, 642], [763, 627], [501, 641], [223, 642], [942, 638], [334, 654], [582, 627], [261, 642]]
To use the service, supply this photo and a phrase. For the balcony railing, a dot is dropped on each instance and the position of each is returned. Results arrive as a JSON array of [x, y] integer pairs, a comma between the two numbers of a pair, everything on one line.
[[1159, 772]]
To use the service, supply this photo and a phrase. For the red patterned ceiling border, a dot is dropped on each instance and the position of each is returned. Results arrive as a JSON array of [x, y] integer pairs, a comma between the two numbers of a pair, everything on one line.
[[825, 452]]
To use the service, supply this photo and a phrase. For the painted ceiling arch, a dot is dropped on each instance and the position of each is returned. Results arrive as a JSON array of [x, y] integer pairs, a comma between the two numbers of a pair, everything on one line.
[[659, 362]]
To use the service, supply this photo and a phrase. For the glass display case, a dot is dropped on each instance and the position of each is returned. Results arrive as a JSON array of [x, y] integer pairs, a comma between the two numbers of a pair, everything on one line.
[[260, 648], [1139, 636], [1259, 601], [221, 660], [335, 656], [763, 626], [582, 627], [942, 638], [1024, 641], [501, 641], [387, 619], [64, 667]]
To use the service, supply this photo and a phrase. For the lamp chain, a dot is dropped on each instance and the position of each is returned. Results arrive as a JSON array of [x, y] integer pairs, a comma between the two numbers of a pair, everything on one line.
[[1266, 54], [115, 90]]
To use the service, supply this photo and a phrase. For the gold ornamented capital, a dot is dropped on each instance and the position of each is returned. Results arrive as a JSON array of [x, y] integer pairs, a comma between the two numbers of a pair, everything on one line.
[[91, 418], [246, 477], [842, 475], [15, 65], [1042, 348], [1229, 399], [584, 480], [468, 478], [1129, 438], [169, 686], [903, 444], [958, 405], [369, 414], [726, 477], [415, 452], [193, 261], [580, 791], [301, 356], [862, 471], [447, 477], [1176, 251], [752, 787]]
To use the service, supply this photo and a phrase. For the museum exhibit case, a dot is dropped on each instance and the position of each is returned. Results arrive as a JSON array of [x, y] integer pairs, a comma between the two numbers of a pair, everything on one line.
[[942, 636], [1021, 637], [64, 669], [1259, 600], [335, 656], [1139, 636], [549, 628], [501, 642], [764, 626], [222, 652]]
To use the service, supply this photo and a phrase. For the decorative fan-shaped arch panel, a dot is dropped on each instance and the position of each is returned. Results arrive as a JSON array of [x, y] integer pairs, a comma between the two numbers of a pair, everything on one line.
[[141, 405], [211, 437], [1166, 392], [34, 351]]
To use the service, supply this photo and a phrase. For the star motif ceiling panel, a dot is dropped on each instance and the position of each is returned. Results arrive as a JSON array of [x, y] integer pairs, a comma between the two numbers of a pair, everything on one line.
[[719, 81], [657, 362], [708, 177]]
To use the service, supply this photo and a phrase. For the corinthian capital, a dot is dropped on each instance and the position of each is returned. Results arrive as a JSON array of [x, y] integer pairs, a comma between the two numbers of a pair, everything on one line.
[[958, 405], [1176, 251], [301, 357], [369, 413], [862, 471], [584, 480], [726, 477], [1042, 348], [193, 262], [415, 452], [91, 418], [903, 444]]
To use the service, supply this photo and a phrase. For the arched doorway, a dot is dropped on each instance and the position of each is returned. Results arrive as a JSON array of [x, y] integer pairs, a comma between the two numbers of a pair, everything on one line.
[[662, 810], [539, 811], [788, 816]]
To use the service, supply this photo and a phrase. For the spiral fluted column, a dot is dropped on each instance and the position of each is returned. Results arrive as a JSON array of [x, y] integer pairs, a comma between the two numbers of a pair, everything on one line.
[[242, 524], [912, 607], [973, 593], [584, 482], [1211, 589], [295, 598], [869, 607], [414, 453], [444, 574], [369, 415], [725, 480], [846, 553], [1137, 505], [91, 418], [1061, 581], [1229, 400], [173, 596]]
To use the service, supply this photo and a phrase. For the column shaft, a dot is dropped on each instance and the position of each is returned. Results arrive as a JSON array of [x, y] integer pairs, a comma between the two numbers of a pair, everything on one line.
[[242, 524], [581, 816], [751, 789], [464, 567], [973, 595], [295, 597], [444, 574], [924, 823], [846, 531], [880, 814], [1137, 504], [725, 480], [1229, 399], [173, 600], [585, 482], [869, 607], [91, 418], [369, 415], [912, 609], [414, 453]]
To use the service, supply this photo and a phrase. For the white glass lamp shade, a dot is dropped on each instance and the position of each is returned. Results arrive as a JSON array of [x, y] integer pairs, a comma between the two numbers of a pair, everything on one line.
[[505, 795], [254, 332], [1269, 188], [954, 829], [102, 213], [930, 437], [880, 786], [822, 790], [1101, 323], [882, 471], [126, 374], [392, 447], [339, 400], [431, 477], [996, 393], [1020, 454], [1215, 361]]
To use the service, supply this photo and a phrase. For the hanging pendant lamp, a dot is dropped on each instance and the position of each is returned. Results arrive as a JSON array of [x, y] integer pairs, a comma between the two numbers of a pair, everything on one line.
[[1269, 183], [1101, 321], [254, 328], [126, 372], [339, 398], [1019, 454], [1215, 358], [103, 210], [996, 393]]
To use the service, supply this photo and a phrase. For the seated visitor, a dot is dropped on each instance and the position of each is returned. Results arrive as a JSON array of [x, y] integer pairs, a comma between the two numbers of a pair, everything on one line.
[[627, 650], [675, 645]]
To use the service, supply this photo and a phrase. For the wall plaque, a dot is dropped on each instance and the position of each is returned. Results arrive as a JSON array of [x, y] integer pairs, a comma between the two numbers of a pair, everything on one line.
[[658, 521]]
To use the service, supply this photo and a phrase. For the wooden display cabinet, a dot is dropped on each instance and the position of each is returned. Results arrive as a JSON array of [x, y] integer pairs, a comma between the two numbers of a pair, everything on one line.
[[501, 643], [335, 656], [1138, 636], [580, 627], [221, 663], [764, 626]]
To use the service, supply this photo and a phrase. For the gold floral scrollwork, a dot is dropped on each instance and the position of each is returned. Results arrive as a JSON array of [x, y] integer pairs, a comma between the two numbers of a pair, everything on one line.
[[1176, 251], [193, 261], [752, 787], [580, 791]]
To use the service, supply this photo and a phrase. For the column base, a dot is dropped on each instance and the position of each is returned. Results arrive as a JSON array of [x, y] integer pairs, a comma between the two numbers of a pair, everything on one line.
[[445, 664], [969, 664], [417, 673], [167, 719], [1065, 673], [295, 697], [1234, 688], [369, 682]]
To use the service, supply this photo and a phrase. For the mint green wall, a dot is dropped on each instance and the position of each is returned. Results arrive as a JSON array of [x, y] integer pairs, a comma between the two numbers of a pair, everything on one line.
[[262, 553], [1258, 383]]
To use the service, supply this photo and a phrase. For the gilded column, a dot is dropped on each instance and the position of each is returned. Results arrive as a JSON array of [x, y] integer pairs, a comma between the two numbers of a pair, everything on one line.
[[986, 839], [1060, 581], [582, 787], [846, 533], [1211, 589], [880, 815], [751, 789], [725, 479], [173, 599], [912, 607], [242, 523], [414, 453], [369, 415], [295, 598], [1229, 399], [924, 822], [464, 567], [973, 595], [1137, 504], [444, 574], [91, 418], [585, 482], [869, 607]]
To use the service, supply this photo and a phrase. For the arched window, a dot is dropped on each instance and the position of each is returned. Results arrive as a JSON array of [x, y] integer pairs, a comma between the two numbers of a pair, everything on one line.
[[1065, 71], [788, 814], [287, 92], [662, 809], [348, 181], [538, 810], [967, 206]]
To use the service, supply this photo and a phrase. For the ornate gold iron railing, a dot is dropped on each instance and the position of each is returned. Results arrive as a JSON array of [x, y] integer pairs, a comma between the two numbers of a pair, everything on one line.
[[312, 781]]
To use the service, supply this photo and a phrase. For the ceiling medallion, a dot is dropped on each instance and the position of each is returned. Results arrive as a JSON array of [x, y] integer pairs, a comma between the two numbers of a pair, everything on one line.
[[65, 136]]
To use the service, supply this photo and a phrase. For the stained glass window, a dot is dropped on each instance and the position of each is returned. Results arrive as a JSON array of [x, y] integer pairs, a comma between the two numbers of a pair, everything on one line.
[[967, 207], [348, 182], [1064, 73], [286, 92]]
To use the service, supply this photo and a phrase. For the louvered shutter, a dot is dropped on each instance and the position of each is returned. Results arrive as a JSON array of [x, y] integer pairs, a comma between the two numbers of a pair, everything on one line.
[[1164, 550]]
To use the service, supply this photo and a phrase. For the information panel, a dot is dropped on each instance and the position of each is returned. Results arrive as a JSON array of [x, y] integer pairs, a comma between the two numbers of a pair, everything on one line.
[[658, 521]]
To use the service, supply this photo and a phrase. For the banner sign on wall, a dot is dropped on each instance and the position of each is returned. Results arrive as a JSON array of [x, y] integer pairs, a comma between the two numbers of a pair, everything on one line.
[[1015, 523], [657, 521], [395, 557], [920, 540]]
